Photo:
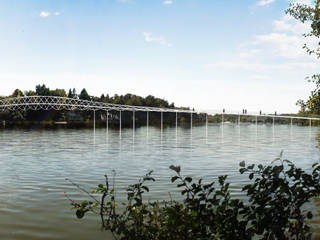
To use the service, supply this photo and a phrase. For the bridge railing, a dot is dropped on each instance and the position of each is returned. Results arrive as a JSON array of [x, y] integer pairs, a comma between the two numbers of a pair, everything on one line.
[[64, 103]]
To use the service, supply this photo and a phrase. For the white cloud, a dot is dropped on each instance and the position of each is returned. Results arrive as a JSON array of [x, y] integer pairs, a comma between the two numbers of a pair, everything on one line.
[[265, 2], [167, 2], [285, 40], [306, 2], [281, 44], [279, 52], [149, 37], [44, 14], [255, 67], [290, 25]]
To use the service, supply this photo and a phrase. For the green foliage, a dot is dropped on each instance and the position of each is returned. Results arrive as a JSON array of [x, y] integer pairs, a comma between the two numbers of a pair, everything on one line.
[[82, 119], [17, 93], [58, 93], [274, 208], [309, 14], [72, 93], [42, 90], [84, 95]]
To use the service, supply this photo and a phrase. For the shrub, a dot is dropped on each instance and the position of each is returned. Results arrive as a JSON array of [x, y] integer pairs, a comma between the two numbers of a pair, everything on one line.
[[273, 209]]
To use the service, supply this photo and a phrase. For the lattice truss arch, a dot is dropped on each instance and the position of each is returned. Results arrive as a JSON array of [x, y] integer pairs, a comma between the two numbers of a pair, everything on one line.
[[72, 104]]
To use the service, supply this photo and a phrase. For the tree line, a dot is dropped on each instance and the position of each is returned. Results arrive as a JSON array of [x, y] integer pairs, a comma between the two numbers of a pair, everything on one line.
[[128, 99], [85, 118]]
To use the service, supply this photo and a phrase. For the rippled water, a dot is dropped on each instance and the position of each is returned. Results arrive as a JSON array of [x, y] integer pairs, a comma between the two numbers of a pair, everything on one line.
[[34, 165]]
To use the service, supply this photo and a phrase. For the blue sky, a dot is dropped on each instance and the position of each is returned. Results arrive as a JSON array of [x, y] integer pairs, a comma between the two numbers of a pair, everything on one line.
[[206, 54]]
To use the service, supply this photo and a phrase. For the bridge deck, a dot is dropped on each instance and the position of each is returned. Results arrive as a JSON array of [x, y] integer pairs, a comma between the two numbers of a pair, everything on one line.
[[64, 103]]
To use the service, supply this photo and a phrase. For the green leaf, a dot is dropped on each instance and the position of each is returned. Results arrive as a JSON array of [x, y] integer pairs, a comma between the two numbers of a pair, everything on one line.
[[188, 179], [287, 161], [80, 213], [242, 164], [281, 153], [251, 176], [149, 179], [175, 168], [173, 179], [181, 185], [251, 166]]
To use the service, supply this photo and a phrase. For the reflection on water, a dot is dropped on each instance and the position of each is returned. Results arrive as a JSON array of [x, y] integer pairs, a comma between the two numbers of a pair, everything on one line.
[[34, 165]]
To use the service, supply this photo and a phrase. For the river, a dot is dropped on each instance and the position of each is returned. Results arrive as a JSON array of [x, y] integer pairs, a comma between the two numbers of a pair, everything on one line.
[[34, 165]]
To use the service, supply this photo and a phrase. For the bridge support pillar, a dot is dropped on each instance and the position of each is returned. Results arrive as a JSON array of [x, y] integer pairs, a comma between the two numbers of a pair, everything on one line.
[[161, 123], [133, 121], [239, 119], [256, 120], [207, 125], [291, 122], [107, 122], [191, 121], [176, 124], [222, 119], [273, 121], [147, 123], [120, 122], [310, 123], [94, 120]]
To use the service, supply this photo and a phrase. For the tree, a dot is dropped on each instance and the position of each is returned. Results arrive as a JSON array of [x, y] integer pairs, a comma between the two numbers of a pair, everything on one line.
[[84, 95], [29, 93], [301, 103], [310, 14], [102, 98], [17, 93], [72, 93], [42, 90], [58, 93], [107, 98]]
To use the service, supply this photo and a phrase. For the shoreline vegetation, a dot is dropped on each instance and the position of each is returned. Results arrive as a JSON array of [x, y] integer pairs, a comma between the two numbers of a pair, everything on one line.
[[84, 119], [275, 207]]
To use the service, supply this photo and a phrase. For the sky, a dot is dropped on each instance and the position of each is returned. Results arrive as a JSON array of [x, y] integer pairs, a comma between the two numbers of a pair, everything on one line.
[[203, 54]]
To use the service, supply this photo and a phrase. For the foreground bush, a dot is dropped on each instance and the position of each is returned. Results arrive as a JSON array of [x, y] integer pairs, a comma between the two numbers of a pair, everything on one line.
[[273, 209]]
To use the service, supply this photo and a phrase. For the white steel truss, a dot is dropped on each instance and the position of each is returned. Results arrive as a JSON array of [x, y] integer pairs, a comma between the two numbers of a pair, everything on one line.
[[73, 104]]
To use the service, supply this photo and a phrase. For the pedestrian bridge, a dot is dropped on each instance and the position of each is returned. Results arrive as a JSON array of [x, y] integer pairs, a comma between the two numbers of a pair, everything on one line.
[[73, 104]]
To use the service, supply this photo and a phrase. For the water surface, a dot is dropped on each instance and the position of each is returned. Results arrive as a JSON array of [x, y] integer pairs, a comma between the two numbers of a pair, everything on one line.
[[34, 165]]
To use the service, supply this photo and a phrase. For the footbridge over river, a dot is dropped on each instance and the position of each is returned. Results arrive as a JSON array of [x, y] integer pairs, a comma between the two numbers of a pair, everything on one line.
[[73, 104]]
